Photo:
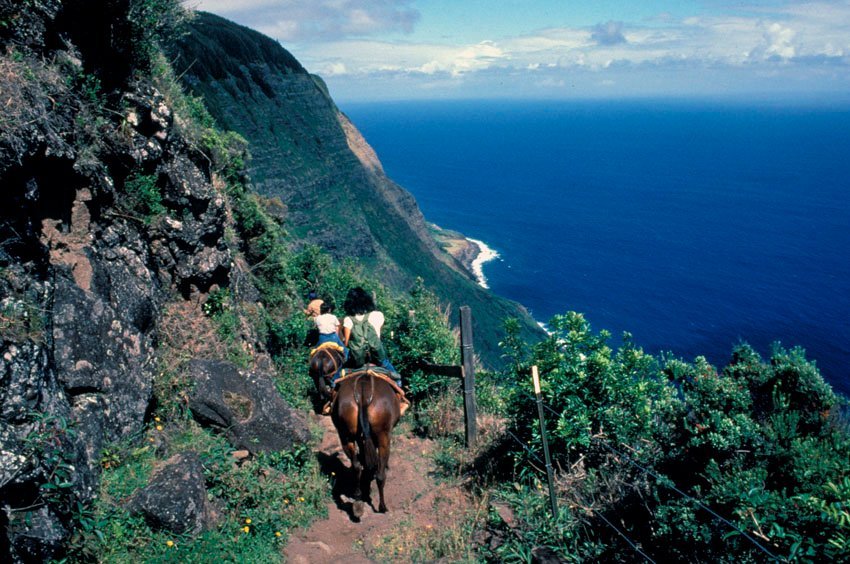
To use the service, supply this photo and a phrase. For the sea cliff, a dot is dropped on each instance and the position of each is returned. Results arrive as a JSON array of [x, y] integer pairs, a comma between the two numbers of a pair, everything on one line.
[[309, 155]]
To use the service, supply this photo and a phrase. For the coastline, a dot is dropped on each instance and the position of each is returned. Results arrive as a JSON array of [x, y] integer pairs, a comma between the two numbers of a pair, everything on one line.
[[471, 254], [484, 255]]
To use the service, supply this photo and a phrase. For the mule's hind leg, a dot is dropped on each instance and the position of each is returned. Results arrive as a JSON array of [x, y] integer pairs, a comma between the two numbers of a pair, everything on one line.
[[383, 464], [350, 449]]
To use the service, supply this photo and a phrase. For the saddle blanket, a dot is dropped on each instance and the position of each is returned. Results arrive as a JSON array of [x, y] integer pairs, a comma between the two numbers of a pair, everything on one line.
[[378, 371], [329, 345]]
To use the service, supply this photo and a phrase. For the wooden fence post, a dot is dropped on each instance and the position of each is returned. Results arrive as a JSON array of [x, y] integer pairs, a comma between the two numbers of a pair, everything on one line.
[[549, 473], [467, 359]]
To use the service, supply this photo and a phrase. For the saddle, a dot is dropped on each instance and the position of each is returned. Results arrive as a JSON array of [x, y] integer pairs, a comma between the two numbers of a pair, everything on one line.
[[381, 373], [329, 345]]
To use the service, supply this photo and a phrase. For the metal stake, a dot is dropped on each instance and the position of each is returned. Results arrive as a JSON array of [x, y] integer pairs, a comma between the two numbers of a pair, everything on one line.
[[549, 472]]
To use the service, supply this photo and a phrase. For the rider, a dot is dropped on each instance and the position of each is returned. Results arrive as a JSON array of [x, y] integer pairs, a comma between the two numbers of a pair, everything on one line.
[[360, 310], [328, 326], [360, 307], [312, 311], [314, 305]]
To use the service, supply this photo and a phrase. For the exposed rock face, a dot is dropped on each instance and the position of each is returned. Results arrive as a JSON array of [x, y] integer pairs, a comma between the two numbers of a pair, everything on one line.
[[245, 406], [176, 497], [39, 538], [84, 271]]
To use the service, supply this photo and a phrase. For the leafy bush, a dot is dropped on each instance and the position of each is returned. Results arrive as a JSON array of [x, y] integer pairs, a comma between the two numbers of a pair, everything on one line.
[[760, 443], [153, 23], [143, 197], [48, 443], [423, 333]]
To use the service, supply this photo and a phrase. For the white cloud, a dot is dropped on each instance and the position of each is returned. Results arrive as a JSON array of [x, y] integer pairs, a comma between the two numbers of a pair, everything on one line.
[[381, 57], [296, 20], [780, 41], [794, 42]]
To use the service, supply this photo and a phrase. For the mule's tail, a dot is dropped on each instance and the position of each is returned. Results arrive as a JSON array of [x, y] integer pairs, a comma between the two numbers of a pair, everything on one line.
[[369, 450]]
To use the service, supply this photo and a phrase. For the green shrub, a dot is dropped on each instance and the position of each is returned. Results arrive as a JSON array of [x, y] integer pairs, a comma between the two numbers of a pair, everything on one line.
[[152, 23], [761, 443], [142, 197]]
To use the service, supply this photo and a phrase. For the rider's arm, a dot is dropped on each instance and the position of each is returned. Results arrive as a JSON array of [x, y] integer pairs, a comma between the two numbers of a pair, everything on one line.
[[346, 330]]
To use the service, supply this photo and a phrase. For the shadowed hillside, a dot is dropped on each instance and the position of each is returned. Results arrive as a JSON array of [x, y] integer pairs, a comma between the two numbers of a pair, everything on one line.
[[307, 153]]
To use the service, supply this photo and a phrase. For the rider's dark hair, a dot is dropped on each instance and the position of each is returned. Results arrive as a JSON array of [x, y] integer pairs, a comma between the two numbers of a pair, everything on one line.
[[358, 302], [326, 307]]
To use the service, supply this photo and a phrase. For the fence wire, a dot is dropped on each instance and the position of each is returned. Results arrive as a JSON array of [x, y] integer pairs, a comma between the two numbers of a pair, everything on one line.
[[666, 482], [622, 534], [661, 480], [529, 450]]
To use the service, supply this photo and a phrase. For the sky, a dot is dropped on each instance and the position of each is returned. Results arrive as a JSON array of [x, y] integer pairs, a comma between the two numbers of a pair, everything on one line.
[[370, 50]]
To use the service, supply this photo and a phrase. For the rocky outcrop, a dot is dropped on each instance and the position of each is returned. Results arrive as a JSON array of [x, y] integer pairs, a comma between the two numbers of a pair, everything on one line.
[[245, 406], [175, 499], [37, 537], [85, 266]]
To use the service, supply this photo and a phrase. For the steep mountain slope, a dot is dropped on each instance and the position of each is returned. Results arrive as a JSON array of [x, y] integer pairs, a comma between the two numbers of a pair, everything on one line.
[[307, 153], [106, 214]]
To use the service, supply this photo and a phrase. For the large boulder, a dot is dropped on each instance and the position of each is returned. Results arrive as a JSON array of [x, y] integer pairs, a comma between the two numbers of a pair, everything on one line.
[[176, 497], [36, 536], [246, 406]]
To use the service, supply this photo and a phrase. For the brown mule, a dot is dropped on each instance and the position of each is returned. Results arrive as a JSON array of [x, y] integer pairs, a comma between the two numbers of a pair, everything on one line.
[[365, 411], [324, 362]]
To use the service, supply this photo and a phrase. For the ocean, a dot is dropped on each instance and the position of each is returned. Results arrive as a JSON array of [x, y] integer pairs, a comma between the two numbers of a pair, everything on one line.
[[692, 225]]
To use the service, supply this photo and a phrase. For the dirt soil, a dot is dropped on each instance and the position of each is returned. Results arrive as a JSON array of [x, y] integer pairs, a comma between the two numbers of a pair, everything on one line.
[[417, 505]]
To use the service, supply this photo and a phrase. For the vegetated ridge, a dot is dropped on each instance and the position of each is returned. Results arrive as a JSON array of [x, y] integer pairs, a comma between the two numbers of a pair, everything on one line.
[[307, 153]]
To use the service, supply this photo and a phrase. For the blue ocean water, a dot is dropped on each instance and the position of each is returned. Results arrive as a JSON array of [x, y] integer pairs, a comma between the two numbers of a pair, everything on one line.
[[692, 225]]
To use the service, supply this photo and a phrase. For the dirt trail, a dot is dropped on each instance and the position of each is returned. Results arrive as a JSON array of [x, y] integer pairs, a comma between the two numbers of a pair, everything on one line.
[[415, 502]]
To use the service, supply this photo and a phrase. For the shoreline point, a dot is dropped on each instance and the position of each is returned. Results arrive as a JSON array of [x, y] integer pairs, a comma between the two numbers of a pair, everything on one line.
[[485, 254]]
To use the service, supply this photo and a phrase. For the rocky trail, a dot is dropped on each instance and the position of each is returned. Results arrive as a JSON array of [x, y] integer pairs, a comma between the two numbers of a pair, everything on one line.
[[419, 507]]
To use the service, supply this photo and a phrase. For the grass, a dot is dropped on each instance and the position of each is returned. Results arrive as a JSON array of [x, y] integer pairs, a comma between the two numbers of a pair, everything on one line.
[[21, 320], [449, 536], [253, 504]]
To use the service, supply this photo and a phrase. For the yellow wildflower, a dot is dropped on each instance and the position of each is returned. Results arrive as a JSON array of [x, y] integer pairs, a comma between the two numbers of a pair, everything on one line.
[[248, 521], [277, 533], [169, 543], [159, 427], [246, 529]]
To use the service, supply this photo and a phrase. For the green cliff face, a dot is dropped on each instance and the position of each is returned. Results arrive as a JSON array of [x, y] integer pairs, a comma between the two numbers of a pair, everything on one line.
[[307, 153]]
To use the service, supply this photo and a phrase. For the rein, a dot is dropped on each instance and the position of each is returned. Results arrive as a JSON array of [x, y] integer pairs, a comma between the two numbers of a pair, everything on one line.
[[333, 360]]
